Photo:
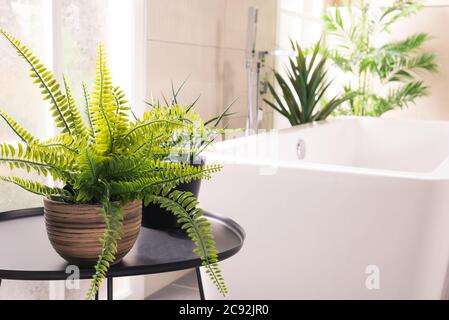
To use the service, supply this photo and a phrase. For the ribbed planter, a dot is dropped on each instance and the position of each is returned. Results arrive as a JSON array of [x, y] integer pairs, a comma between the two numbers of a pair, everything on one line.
[[75, 230]]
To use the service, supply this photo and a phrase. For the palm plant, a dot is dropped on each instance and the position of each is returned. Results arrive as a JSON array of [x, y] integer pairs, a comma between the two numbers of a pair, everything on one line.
[[383, 76], [304, 88], [109, 158]]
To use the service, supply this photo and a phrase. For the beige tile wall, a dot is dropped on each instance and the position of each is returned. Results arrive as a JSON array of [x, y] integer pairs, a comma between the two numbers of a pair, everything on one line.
[[205, 40]]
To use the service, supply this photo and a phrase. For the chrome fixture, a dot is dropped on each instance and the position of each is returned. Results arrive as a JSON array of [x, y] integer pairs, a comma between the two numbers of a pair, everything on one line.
[[253, 65], [255, 61], [301, 149]]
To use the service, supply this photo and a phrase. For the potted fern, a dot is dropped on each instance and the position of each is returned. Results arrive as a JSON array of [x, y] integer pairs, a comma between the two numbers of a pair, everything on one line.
[[186, 145], [102, 168]]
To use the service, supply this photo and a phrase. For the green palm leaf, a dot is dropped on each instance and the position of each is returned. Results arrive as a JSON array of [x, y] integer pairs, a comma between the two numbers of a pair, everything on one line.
[[303, 88]]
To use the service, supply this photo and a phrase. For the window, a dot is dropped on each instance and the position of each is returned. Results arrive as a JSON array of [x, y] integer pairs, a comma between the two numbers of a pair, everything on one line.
[[299, 20], [64, 34]]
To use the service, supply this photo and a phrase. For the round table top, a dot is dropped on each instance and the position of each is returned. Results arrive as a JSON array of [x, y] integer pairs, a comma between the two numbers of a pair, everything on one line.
[[26, 252]]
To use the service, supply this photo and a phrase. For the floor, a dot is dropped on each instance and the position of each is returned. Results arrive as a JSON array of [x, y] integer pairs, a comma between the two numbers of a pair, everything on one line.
[[185, 288]]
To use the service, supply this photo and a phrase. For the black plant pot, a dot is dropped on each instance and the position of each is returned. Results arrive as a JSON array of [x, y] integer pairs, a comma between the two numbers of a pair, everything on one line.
[[156, 217]]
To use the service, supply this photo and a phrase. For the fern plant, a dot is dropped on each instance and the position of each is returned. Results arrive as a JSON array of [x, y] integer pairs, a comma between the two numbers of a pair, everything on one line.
[[107, 158], [304, 88], [383, 76], [198, 134]]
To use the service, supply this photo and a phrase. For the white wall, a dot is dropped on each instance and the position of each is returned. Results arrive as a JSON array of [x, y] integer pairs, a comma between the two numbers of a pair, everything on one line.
[[206, 40]]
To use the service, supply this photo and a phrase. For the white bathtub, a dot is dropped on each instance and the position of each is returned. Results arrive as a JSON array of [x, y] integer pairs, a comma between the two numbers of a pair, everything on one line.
[[365, 214]]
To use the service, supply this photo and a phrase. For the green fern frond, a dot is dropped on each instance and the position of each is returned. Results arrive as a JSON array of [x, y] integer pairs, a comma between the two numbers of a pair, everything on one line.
[[187, 116], [87, 110], [121, 122], [142, 130], [184, 206], [40, 168], [33, 157], [73, 115], [45, 79], [153, 134], [61, 144], [163, 174], [37, 188], [87, 184], [113, 217], [23, 134], [103, 106], [120, 167]]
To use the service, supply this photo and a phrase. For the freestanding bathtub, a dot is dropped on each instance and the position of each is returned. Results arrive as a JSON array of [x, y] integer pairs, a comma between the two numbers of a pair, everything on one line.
[[352, 208]]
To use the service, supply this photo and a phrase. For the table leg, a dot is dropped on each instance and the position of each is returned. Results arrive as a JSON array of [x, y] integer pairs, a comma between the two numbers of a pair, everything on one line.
[[110, 288], [200, 283]]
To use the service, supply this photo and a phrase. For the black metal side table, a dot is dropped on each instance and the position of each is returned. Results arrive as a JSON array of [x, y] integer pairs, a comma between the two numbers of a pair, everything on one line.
[[26, 252]]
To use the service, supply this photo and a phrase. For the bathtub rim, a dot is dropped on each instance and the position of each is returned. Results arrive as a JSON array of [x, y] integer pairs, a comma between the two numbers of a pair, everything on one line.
[[439, 173]]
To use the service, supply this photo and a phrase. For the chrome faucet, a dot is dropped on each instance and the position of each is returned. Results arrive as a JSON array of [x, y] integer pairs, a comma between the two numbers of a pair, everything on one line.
[[255, 61], [253, 73]]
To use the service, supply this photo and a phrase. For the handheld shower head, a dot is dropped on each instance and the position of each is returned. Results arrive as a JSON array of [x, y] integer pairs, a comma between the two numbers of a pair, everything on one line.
[[251, 33]]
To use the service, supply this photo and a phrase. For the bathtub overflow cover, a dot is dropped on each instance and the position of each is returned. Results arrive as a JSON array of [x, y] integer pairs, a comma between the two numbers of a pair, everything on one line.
[[301, 149]]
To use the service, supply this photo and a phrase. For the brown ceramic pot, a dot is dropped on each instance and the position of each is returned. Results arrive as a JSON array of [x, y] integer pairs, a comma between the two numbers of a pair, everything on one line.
[[75, 230]]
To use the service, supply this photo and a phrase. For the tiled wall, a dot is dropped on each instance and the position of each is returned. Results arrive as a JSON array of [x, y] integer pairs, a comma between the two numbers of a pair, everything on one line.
[[205, 40]]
